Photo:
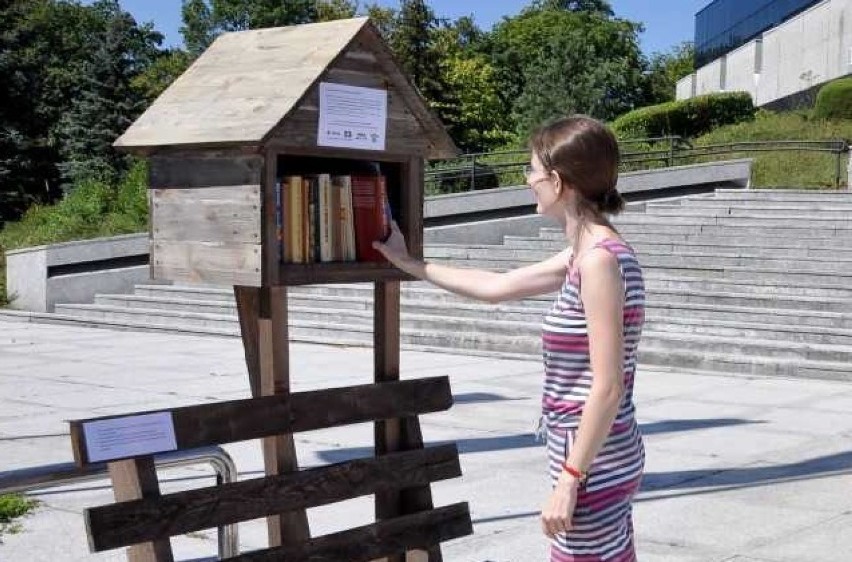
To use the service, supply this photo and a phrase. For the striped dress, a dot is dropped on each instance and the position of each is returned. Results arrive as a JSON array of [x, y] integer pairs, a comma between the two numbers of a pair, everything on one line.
[[602, 523]]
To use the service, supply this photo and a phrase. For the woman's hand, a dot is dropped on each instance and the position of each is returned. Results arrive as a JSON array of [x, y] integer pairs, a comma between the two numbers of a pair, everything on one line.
[[393, 249], [559, 510]]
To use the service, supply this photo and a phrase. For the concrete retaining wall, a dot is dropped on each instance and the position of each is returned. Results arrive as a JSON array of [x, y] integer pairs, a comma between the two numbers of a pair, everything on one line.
[[37, 278]]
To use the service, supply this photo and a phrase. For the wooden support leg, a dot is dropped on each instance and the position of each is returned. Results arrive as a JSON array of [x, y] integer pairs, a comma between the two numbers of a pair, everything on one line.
[[132, 480], [264, 329], [396, 434]]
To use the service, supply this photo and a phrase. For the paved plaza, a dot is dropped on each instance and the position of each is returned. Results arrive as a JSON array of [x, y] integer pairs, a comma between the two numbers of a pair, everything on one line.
[[739, 469]]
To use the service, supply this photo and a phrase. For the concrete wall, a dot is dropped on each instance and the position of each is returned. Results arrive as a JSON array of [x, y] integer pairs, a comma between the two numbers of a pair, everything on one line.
[[37, 278], [739, 71], [685, 87], [708, 78], [810, 49]]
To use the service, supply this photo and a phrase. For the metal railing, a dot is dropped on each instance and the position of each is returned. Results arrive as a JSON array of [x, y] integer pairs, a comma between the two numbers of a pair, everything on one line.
[[480, 170], [62, 474]]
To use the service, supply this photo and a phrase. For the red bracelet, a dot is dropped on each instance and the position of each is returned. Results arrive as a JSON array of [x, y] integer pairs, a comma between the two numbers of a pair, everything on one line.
[[578, 474]]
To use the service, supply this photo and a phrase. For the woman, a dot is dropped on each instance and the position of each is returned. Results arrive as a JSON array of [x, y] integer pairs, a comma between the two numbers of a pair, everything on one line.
[[590, 336]]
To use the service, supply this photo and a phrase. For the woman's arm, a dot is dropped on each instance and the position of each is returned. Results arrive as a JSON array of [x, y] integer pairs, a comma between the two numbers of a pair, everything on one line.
[[602, 293], [543, 277]]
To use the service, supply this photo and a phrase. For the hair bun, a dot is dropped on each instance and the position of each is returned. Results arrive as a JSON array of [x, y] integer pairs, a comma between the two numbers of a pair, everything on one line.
[[612, 202]]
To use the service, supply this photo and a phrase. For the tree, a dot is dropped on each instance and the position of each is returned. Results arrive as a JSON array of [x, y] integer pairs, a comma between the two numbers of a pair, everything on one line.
[[239, 15], [383, 18], [198, 28], [552, 62], [664, 71], [330, 10], [601, 7], [106, 103]]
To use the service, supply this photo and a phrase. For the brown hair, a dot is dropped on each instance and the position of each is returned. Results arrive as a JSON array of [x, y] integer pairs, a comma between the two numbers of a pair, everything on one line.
[[584, 152]]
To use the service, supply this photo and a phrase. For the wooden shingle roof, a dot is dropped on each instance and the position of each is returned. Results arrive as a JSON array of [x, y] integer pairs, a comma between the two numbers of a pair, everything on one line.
[[246, 84]]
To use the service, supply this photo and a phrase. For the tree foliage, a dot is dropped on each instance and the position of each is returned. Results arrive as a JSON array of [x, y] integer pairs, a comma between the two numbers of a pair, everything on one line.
[[74, 75], [665, 69], [553, 62]]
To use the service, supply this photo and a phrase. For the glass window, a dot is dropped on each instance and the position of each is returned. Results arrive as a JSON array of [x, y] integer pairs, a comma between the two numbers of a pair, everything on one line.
[[724, 25]]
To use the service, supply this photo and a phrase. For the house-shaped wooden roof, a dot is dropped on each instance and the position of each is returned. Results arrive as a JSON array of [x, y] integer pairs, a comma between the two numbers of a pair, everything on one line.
[[247, 85]]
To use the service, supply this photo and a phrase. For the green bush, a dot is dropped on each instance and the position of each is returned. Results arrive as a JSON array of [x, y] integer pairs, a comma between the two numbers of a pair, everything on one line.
[[687, 118], [90, 210], [834, 100]]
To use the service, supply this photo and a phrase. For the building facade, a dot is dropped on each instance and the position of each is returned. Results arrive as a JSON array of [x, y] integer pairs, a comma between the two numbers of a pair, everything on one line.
[[772, 49]]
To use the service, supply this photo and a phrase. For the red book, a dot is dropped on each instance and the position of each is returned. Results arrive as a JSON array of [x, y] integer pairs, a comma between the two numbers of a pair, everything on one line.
[[371, 214]]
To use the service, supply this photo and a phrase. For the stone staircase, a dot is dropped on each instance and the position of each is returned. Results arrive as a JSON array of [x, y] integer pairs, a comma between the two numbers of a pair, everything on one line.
[[738, 282]]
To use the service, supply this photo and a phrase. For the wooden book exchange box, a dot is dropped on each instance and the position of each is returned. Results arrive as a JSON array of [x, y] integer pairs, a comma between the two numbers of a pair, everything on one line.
[[224, 143]]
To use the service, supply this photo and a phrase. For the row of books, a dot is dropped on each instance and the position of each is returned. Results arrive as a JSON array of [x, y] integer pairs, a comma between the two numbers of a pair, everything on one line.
[[327, 218]]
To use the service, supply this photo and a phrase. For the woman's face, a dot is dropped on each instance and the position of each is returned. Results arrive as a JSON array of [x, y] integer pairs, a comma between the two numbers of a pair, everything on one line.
[[544, 188]]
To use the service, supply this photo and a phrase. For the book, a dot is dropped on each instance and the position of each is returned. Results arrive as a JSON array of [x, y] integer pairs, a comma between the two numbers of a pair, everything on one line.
[[371, 215], [326, 218]]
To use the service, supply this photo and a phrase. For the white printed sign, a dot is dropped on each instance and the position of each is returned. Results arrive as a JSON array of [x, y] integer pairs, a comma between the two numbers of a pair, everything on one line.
[[352, 116], [129, 436]]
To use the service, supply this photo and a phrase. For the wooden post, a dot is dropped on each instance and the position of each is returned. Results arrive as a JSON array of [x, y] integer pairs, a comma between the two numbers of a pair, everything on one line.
[[132, 480], [263, 323], [396, 434]]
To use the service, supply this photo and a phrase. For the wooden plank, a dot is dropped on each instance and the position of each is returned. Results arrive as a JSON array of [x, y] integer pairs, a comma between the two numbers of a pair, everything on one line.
[[132, 522], [412, 203], [339, 272], [226, 222], [206, 262], [279, 451], [242, 86], [204, 170], [439, 145], [271, 246], [386, 333], [133, 480], [238, 420], [362, 544], [248, 311]]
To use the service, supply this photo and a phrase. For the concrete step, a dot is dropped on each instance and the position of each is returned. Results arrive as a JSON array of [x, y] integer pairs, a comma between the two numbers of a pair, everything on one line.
[[755, 357], [783, 194], [697, 247], [733, 211], [794, 273], [731, 365], [752, 220], [757, 205], [475, 318], [808, 287], [506, 257], [793, 230], [749, 330], [807, 296]]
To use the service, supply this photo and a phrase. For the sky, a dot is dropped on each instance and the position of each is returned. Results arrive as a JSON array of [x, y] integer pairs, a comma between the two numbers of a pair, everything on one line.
[[667, 22]]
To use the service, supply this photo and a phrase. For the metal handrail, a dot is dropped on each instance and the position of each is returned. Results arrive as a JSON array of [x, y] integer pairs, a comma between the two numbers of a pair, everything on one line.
[[61, 474], [675, 149]]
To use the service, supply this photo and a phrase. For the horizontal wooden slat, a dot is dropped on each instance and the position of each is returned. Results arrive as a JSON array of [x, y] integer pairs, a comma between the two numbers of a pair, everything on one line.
[[204, 171], [339, 272], [206, 262], [128, 523], [208, 214], [362, 544], [253, 418]]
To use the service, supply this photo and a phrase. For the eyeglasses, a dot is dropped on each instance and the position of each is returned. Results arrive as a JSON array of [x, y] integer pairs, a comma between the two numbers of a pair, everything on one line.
[[528, 172]]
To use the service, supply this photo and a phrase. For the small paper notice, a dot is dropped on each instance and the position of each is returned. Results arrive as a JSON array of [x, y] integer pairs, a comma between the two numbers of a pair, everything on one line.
[[129, 436], [352, 117]]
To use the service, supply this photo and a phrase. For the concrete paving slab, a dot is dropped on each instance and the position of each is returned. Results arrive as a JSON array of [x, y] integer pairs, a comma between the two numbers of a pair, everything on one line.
[[750, 479]]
